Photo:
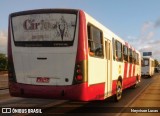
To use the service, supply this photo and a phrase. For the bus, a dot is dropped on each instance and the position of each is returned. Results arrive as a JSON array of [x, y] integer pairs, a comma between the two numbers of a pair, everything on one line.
[[148, 66], [67, 54]]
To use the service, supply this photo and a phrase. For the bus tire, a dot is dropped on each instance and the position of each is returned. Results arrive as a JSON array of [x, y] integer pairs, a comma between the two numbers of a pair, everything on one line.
[[118, 94], [135, 85]]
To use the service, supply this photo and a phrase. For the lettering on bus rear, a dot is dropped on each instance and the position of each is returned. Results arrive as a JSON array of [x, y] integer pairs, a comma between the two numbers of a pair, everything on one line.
[[42, 80]]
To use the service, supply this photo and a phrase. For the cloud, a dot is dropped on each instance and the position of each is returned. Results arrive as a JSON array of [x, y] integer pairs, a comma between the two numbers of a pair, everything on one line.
[[146, 48], [3, 41], [147, 26], [157, 23], [148, 39], [147, 31], [156, 42], [156, 53], [150, 35]]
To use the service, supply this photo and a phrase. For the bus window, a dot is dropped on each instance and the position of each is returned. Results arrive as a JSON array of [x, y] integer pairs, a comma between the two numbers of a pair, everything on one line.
[[134, 57], [95, 41], [118, 51], [90, 42], [130, 55], [125, 53], [145, 62]]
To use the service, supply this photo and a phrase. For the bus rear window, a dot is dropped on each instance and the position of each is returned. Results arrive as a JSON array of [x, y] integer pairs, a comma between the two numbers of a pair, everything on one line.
[[145, 62], [44, 30]]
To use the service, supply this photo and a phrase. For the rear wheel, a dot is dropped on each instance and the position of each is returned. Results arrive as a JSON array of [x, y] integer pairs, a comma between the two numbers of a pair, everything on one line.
[[118, 95], [135, 85]]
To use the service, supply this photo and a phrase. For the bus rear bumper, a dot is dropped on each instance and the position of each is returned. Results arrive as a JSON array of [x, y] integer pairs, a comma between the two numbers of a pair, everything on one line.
[[73, 92]]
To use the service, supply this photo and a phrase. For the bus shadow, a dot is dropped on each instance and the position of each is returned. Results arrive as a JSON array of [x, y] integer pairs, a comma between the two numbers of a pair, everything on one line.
[[146, 77]]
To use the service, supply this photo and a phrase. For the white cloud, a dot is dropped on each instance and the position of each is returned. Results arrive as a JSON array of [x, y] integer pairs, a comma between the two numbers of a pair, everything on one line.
[[3, 41], [157, 23], [155, 42], [147, 31], [150, 35], [147, 26], [148, 40], [146, 48]]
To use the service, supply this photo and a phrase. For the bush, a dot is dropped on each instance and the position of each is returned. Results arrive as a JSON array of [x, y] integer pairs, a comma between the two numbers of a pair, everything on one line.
[[3, 62]]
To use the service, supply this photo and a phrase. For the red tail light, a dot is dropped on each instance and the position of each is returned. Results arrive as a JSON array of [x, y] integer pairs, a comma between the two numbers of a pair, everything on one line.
[[79, 76]]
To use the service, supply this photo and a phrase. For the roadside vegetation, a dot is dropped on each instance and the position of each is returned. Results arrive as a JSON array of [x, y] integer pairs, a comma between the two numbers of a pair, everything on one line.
[[3, 62]]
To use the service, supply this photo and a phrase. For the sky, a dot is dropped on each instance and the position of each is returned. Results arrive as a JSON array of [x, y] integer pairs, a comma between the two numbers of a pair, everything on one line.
[[135, 21]]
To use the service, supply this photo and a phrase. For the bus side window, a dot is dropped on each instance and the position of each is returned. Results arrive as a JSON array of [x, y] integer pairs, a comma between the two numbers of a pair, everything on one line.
[[119, 56], [95, 41], [134, 57], [146, 62], [130, 55], [125, 53], [90, 42]]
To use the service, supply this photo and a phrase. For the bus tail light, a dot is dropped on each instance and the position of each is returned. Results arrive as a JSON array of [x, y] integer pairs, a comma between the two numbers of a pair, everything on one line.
[[80, 72], [79, 76]]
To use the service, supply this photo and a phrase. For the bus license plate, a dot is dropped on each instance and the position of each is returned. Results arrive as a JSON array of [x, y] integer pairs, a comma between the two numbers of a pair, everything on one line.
[[42, 80]]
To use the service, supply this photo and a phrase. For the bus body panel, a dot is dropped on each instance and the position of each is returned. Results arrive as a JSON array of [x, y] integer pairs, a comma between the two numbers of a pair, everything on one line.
[[96, 74], [28, 68]]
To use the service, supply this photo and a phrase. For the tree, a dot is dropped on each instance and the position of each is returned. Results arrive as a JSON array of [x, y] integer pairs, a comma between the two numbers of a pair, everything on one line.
[[156, 62], [3, 62]]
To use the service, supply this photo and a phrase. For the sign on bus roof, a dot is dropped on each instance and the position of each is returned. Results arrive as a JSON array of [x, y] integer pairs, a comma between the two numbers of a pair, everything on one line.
[[147, 53]]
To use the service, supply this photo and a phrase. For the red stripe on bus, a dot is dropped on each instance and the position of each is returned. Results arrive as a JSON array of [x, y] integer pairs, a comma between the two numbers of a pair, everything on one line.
[[134, 70], [129, 82], [11, 70], [125, 70], [130, 70], [82, 50]]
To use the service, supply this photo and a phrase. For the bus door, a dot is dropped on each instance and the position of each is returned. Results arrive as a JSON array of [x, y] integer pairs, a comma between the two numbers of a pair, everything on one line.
[[108, 67]]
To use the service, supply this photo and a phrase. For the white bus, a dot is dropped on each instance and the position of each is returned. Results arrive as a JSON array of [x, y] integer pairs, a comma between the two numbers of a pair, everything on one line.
[[148, 66], [67, 54]]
